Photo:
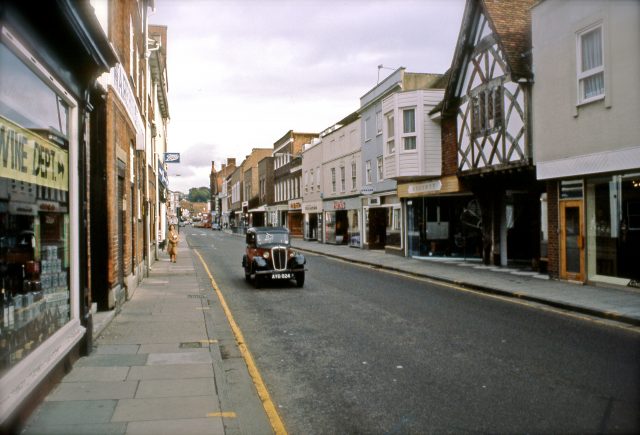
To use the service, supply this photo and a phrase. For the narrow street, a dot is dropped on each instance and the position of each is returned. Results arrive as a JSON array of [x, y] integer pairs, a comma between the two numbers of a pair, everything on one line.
[[359, 350]]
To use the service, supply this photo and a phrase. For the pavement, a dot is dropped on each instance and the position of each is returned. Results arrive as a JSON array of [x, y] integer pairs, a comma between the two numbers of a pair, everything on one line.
[[166, 363], [158, 366]]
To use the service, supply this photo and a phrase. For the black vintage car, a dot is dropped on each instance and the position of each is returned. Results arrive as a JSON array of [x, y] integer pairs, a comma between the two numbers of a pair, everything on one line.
[[269, 256]]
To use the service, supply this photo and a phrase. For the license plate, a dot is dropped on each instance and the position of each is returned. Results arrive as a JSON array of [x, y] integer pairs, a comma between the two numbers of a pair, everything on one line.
[[281, 275]]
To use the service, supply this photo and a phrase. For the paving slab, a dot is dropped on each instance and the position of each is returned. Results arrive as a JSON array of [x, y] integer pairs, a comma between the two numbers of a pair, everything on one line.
[[176, 371], [78, 429], [174, 347], [94, 390], [175, 388], [169, 408], [112, 360], [153, 332], [117, 349], [194, 426], [179, 358], [97, 374], [74, 412]]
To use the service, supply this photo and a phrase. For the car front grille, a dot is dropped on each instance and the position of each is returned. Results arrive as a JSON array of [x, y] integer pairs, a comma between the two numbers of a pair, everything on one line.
[[279, 256]]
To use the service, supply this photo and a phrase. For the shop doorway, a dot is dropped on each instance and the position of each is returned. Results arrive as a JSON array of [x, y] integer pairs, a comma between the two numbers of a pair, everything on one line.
[[571, 241], [377, 228], [295, 224], [122, 223]]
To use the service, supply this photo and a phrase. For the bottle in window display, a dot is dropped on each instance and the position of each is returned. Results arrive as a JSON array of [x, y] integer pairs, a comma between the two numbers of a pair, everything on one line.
[[5, 351], [8, 309], [5, 308]]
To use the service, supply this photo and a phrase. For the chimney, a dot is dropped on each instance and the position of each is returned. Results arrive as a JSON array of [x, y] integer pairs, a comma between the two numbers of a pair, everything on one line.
[[231, 161]]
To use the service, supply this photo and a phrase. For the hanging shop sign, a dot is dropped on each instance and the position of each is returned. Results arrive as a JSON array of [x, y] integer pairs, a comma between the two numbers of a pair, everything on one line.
[[28, 157], [366, 190], [172, 157]]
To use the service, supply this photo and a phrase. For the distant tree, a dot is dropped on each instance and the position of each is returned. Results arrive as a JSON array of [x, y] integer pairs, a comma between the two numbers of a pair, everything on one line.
[[198, 194]]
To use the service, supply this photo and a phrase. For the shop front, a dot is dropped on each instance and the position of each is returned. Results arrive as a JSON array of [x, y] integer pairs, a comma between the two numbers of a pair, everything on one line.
[[294, 218], [341, 221], [613, 228], [257, 216], [383, 223], [312, 215], [442, 219], [604, 211], [44, 110]]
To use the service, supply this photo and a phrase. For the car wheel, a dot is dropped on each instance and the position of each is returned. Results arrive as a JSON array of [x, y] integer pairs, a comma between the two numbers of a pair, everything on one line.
[[299, 279]]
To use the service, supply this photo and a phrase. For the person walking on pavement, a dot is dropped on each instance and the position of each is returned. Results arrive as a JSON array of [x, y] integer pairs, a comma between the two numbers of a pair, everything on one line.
[[173, 243]]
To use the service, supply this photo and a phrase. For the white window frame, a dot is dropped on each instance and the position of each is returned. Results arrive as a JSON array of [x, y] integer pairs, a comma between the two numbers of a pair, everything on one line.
[[367, 127], [379, 122], [584, 75], [380, 166], [411, 134], [343, 179], [368, 172], [333, 180], [390, 136], [354, 174]]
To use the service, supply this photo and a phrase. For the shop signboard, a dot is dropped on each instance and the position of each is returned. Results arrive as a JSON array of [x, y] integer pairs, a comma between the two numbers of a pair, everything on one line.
[[295, 204], [172, 157], [30, 158], [119, 81]]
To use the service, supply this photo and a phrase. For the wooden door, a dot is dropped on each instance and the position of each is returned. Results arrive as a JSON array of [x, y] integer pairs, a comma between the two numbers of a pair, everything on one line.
[[572, 241]]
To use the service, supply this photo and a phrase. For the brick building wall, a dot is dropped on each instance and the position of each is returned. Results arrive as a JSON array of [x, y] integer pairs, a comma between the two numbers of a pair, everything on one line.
[[449, 146]]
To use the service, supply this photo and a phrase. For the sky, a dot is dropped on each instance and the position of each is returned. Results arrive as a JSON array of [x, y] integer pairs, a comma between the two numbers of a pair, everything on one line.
[[242, 73]]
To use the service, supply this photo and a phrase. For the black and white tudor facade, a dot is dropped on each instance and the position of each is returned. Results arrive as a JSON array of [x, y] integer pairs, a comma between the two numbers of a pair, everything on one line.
[[489, 96]]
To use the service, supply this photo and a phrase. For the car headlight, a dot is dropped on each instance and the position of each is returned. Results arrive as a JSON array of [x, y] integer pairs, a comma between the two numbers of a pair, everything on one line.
[[265, 254], [292, 254]]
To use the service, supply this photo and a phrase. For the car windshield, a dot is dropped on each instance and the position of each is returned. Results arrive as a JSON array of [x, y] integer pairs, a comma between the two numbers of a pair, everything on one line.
[[269, 238]]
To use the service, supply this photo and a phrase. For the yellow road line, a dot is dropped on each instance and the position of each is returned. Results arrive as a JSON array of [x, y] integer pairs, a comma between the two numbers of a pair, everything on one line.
[[263, 393]]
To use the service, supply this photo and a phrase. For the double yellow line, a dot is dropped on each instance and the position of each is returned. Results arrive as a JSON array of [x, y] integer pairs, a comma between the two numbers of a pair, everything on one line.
[[263, 393]]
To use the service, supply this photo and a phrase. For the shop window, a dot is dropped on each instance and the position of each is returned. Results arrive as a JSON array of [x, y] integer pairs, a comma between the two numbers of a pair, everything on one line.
[[34, 208], [393, 235], [613, 234]]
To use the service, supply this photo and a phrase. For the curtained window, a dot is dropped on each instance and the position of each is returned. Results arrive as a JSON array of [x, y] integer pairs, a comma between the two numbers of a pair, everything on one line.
[[590, 65]]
